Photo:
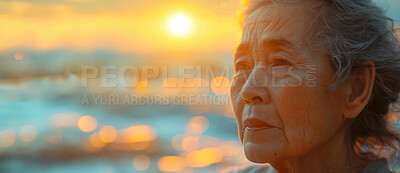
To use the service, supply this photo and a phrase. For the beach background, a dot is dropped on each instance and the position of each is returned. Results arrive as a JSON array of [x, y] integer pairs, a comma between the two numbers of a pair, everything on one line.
[[57, 116]]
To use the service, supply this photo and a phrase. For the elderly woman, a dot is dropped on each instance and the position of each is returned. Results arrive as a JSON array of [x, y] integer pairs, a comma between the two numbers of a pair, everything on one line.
[[314, 84]]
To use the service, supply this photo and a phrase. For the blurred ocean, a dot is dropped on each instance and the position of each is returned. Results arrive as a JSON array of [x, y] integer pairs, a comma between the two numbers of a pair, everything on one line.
[[43, 119]]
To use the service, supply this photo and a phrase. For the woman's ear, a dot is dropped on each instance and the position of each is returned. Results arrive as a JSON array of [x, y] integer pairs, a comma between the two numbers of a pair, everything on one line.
[[359, 89]]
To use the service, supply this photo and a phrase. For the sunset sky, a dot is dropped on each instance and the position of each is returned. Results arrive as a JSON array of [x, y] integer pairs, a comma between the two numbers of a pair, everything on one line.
[[124, 25], [57, 36]]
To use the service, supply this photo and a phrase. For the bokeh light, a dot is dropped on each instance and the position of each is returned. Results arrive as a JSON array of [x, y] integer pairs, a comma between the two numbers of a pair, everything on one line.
[[190, 143], [108, 134], [19, 56], [220, 85], [87, 123], [95, 140], [204, 157], [177, 142], [28, 133], [141, 133], [197, 125], [171, 163], [7, 138], [141, 162]]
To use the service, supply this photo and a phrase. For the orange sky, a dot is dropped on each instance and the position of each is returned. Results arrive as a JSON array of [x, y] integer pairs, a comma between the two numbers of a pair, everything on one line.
[[133, 26]]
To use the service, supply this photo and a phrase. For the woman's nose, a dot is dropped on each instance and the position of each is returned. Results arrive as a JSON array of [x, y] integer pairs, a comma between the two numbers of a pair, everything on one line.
[[254, 93]]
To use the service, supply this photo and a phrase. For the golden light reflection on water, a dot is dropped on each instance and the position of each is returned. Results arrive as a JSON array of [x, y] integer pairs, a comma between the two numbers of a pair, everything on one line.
[[171, 163], [204, 157], [28, 133], [141, 133], [194, 149], [201, 151], [87, 123]]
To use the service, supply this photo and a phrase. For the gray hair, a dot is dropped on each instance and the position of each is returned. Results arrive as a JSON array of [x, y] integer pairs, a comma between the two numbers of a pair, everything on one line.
[[353, 32]]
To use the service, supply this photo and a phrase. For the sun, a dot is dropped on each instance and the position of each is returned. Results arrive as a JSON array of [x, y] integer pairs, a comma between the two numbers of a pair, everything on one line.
[[179, 24]]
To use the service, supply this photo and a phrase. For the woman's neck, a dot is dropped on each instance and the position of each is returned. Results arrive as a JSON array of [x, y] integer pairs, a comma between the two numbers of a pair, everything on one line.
[[333, 156]]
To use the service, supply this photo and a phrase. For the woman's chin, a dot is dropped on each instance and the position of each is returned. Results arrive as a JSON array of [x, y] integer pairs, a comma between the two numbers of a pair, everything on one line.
[[262, 153]]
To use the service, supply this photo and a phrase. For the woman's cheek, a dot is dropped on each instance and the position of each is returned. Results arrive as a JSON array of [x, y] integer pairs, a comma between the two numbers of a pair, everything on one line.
[[292, 106], [236, 86], [237, 102], [235, 94]]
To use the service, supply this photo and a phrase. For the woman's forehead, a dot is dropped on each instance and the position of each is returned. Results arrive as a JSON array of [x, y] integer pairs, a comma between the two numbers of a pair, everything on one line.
[[289, 20], [267, 10]]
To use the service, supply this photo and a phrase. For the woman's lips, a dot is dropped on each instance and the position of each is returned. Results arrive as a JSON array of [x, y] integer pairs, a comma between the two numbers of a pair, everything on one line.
[[255, 128], [258, 131], [254, 124]]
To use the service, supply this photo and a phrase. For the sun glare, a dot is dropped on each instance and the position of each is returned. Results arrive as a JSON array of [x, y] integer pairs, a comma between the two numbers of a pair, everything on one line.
[[179, 24]]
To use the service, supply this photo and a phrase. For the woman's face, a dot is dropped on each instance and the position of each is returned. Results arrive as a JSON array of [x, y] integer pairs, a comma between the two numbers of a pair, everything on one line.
[[280, 89]]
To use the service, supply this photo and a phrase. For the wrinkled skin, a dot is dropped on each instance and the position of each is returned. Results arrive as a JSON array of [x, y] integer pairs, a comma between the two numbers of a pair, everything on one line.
[[275, 82]]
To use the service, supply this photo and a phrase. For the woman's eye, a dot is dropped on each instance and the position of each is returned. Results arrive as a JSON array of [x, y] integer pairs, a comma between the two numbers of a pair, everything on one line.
[[242, 66], [281, 62]]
